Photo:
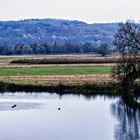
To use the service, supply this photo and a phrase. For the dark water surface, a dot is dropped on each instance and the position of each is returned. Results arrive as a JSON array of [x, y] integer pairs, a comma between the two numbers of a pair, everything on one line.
[[37, 117]]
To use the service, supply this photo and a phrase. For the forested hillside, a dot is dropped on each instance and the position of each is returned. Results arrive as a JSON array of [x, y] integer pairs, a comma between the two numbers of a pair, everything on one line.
[[50, 30]]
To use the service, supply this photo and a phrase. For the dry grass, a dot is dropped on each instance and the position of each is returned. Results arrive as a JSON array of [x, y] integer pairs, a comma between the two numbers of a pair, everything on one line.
[[80, 60], [72, 60], [57, 80]]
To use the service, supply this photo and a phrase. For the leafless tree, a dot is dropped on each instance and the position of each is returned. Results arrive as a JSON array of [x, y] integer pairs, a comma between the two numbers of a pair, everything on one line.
[[127, 41]]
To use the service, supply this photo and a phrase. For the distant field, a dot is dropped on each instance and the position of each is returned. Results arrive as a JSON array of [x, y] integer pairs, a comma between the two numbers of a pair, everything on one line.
[[55, 70], [67, 60], [56, 60]]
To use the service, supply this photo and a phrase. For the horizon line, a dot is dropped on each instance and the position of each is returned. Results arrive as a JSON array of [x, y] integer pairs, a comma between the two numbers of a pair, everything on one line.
[[24, 19]]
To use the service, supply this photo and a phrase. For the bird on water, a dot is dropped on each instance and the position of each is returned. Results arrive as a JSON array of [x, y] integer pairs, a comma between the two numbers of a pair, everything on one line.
[[13, 106]]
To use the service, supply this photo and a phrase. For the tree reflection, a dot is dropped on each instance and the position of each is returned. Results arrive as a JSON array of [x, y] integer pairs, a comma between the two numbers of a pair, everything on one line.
[[127, 112]]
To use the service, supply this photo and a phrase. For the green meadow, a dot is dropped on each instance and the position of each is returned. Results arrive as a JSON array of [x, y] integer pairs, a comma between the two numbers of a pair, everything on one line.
[[55, 70]]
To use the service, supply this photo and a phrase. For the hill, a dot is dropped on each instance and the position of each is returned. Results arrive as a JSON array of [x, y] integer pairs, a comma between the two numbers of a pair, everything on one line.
[[51, 30]]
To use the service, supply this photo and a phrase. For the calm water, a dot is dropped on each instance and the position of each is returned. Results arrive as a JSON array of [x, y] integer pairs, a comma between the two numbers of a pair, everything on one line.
[[36, 117]]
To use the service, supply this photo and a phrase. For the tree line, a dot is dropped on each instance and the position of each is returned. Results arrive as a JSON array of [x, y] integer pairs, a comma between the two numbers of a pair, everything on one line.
[[45, 48]]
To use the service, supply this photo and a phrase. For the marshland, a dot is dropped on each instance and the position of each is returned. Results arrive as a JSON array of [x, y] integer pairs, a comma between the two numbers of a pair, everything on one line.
[[80, 93], [68, 79], [57, 71]]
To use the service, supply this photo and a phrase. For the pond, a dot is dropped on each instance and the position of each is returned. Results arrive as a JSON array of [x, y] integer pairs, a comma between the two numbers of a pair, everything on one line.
[[47, 116]]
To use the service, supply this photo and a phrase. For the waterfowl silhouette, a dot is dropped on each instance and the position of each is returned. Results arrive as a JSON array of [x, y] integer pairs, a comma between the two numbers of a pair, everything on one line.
[[13, 106]]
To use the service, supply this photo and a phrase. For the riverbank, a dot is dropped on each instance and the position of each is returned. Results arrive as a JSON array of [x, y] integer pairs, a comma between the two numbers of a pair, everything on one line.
[[55, 77], [74, 78], [56, 83], [78, 84]]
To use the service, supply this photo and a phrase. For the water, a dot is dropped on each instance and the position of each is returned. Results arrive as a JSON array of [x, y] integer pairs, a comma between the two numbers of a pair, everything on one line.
[[37, 117]]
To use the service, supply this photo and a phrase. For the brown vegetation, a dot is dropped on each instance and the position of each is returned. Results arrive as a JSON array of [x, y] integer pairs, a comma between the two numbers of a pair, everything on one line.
[[55, 60], [80, 60], [56, 80]]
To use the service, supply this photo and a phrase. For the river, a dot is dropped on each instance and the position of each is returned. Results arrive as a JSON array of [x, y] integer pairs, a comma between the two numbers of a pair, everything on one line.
[[51, 116]]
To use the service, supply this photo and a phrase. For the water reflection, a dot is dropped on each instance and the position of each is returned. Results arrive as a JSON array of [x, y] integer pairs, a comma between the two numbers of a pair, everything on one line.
[[127, 112], [84, 116]]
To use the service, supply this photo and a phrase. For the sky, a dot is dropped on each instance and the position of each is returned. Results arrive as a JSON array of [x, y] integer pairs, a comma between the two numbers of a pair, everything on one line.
[[90, 11]]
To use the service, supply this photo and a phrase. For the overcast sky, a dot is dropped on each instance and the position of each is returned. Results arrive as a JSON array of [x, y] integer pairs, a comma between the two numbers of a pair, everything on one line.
[[90, 11]]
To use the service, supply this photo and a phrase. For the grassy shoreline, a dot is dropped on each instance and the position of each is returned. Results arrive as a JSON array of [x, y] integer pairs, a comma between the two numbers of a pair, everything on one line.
[[56, 78], [79, 84], [64, 78], [86, 88], [56, 83]]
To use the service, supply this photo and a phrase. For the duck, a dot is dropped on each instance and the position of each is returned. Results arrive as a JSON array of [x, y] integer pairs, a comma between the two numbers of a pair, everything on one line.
[[13, 106]]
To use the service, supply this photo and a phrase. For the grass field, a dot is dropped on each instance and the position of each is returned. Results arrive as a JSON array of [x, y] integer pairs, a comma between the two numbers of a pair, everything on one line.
[[55, 70], [67, 71]]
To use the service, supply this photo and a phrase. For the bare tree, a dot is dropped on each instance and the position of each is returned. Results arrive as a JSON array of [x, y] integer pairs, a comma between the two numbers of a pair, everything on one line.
[[127, 41]]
